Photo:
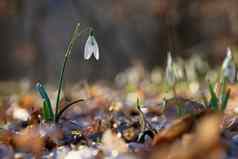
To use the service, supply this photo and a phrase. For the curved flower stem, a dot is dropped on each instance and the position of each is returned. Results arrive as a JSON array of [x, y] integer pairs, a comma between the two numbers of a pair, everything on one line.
[[67, 55], [88, 29], [66, 107]]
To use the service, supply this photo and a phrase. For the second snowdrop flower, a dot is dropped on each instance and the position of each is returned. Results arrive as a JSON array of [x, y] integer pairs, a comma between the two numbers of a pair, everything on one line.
[[229, 67], [227, 59], [170, 70], [91, 47]]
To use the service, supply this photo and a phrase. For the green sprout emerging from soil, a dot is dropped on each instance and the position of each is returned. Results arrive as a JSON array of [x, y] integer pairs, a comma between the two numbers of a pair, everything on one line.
[[91, 48], [219, 99], [145, 127], [170, 73]]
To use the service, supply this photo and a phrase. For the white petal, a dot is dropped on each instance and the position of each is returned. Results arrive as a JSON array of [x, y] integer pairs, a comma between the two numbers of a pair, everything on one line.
[[95, 48], [170, 70], [228, 52], [88, 50], [227, 59], [169, 59], [230, 72]]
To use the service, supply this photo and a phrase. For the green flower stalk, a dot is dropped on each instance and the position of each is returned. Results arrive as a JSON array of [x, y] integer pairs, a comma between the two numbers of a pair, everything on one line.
[[66, 58], [91, 47]]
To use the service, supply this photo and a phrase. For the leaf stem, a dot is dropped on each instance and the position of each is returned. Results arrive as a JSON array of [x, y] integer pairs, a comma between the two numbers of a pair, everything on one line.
[[66, 57]]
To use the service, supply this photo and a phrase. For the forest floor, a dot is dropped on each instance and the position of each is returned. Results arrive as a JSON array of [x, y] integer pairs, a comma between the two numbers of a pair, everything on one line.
[[137, 116]]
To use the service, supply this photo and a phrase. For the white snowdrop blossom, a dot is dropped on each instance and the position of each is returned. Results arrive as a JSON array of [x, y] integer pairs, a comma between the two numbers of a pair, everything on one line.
[[227, 59], [91, 48], [229, 67], [170, 70]]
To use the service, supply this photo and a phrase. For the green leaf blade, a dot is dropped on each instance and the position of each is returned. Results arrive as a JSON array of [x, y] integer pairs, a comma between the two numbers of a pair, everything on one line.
[[47, 110], [214, 100], [225, 100], [74, 37], [48, 114]]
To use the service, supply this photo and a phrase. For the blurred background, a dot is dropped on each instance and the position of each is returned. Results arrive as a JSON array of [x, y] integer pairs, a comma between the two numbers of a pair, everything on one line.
[[35, 33]]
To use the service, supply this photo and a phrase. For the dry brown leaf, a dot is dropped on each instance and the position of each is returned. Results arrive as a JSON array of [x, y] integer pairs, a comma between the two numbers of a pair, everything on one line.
[[176, 129], [29, 140], [6, 137], [201, 143]]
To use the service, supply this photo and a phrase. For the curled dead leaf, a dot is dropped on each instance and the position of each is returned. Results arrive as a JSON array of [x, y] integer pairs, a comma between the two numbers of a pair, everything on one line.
[[176, 129]]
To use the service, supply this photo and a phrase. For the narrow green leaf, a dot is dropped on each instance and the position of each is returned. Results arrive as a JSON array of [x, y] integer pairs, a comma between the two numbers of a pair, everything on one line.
[[47, 107], [225, 99], [40, 88], [47, 112], [66, 58], [214, 100], [223, 88]]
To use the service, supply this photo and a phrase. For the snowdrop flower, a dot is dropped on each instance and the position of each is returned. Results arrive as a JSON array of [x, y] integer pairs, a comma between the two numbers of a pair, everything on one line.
[[229, 67], [227, 59], [170, 70], [91, 47]]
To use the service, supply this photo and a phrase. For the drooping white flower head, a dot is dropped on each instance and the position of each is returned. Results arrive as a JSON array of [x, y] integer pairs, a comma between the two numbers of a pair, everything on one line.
[[91, 48], [229, 67], [227, 59], [170, 70]]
